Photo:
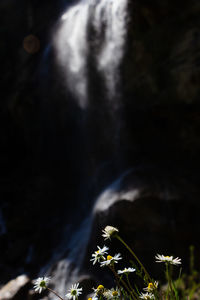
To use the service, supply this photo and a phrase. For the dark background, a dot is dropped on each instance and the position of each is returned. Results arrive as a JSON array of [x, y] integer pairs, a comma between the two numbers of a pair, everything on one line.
[[56, 158]]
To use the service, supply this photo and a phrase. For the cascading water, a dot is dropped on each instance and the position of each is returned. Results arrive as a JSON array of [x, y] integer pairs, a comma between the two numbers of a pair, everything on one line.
[[108, 19], [63, 267], [113, 15], [72, 42]]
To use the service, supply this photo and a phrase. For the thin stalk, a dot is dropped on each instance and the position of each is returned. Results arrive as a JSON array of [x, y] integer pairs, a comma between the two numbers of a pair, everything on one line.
[[129, 284], [169, 278], [123, 282], [156, 294], [135, 256], [117, 280], [55, 293]]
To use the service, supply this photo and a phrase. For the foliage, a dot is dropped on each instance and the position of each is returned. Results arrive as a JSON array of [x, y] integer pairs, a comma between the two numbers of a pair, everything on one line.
[[185, 287]]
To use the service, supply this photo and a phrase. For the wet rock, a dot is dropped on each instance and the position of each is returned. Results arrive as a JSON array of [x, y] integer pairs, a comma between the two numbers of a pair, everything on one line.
[[16, 289]]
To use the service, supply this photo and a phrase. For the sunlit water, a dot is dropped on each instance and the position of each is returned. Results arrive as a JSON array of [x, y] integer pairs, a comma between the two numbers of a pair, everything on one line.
[[108, 19], [63, 268], [72, 43], [65, 264], [114, 193]]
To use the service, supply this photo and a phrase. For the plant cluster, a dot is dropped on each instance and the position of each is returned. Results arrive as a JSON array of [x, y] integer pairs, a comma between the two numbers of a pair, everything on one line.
[[127, 289]]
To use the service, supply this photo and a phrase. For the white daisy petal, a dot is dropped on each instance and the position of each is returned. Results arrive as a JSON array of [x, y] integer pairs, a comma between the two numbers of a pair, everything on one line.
[[41, 283], [112, 294], [126, 271], [109, 231], [168, 259], [147, 296], [74, 292], [111, 260], [99, 254]]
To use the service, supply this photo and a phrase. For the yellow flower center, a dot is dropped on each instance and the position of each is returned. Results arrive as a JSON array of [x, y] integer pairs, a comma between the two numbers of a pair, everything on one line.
[[115, 293], [97, 252], [89, 298], [150, 286], [167, 257], [100, 287], [109, 257]]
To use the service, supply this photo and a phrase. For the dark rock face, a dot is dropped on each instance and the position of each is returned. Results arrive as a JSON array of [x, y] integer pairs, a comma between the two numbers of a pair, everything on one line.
[[53, 154], [164, 48], [161, 80], [153, 214], [41, 144]]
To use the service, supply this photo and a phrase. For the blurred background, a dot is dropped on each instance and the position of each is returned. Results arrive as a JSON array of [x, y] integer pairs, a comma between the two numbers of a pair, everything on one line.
[[99, 125]]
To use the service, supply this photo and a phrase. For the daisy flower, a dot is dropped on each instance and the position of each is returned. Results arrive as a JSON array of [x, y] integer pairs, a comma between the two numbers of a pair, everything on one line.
[[41, 284], [93, 298], [112, 294], [99, 290], [111, 260], [126, 271], [97, 255], [74, 292], [109, 231], [168, 259], [151, 286], [147, 296]]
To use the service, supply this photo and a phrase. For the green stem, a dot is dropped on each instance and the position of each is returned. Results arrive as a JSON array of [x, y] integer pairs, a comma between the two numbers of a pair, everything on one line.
[[117, 280], [129, 284], [54, 293], [123, 282], [135, 256], [169, 278]]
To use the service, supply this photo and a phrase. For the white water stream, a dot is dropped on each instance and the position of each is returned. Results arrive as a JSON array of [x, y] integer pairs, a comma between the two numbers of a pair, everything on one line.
[[63, 268], [108, 18], [108, 21]]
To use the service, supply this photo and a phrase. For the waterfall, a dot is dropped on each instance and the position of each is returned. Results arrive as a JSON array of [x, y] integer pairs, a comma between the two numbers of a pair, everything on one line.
[[97, 28], [112, 14], [114, 193], [108, 19], [64, 265]]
